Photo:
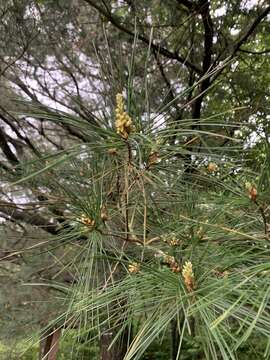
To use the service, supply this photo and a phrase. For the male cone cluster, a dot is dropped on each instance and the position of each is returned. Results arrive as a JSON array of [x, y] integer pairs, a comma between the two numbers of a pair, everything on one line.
[[134, 268], [123, 121], [188, 276], [85, 220]]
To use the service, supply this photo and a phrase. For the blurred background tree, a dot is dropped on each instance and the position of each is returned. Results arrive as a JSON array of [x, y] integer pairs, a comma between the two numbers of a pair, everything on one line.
[[195, 80]]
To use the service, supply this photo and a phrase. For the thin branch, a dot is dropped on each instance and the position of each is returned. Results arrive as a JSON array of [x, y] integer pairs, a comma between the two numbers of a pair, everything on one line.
[[267, 51], [157, 47], [250, 31], [12, 123], [243, 39], [12, 158], [28, 217], [20, 55]]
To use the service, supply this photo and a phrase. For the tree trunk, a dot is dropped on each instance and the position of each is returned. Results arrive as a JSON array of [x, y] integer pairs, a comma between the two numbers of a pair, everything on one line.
[[49, 346], [174, 339]]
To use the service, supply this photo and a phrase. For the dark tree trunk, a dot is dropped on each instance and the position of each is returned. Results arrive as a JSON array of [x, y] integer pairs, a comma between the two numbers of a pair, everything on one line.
[[174, 339], [49, 346]]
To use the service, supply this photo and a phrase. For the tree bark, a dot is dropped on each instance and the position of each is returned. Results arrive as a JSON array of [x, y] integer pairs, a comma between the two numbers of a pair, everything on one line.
[[50, 345], [175, 338]]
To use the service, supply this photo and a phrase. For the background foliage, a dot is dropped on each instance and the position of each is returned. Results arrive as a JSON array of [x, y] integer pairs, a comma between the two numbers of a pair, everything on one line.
[[96, 227]]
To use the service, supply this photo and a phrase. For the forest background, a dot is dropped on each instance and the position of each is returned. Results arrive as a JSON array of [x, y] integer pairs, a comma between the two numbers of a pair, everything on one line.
[[134, 161]]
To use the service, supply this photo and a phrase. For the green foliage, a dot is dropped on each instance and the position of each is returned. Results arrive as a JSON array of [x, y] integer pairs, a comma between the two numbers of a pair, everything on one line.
[[129, 267], [22, 351], [158, 237]]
